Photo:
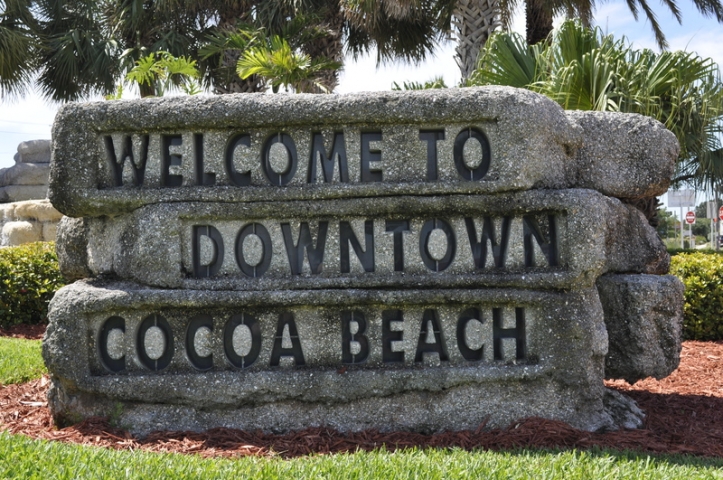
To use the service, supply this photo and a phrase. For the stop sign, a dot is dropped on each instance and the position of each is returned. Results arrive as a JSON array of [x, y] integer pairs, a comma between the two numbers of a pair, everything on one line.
[[720, 213], [690, 217]]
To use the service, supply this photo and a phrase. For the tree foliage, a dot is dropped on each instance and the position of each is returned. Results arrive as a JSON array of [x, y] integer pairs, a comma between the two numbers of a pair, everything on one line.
[[76, 48], [437, 82], [18, 51], [29, 276], [584, 69]]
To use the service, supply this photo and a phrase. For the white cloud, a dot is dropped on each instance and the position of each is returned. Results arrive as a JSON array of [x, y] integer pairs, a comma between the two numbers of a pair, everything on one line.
[[363, 75], [614, 18], [706, 43], [24, 119]]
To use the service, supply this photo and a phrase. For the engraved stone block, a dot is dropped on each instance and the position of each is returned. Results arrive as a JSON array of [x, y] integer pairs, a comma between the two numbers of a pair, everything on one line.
[[534, 239], [424, 360], [71, 246], [112, 157], [624, 156], [419, 261]]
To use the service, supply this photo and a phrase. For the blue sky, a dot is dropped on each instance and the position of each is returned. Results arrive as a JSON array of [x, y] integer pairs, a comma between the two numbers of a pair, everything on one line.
[[31, 117]]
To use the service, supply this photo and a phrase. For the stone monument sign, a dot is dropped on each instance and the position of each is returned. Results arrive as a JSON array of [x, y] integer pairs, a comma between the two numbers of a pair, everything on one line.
[[419, 261]]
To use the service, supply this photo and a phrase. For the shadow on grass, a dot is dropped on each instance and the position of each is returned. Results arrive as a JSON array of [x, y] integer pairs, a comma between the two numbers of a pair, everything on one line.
[[680, 429]]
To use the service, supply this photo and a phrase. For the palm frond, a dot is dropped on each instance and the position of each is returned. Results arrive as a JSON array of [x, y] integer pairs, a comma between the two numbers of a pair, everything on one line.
[[506, 60]]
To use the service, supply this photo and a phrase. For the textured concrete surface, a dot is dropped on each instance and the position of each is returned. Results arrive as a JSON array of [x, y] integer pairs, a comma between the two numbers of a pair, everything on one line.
[[33, 151], [28, 178]]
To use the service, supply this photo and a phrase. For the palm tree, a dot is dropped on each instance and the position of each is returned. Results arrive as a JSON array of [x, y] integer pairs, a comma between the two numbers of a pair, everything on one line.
[[322, 29], [584, 69], [81, 47], [397, 29], [60, 43], [279, 64], [77, 48], [319, 28], [331, 45], [473, 21], [418, 24]]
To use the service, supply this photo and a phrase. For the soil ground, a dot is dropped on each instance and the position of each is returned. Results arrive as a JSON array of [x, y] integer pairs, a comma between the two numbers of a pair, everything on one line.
[[684, 415]]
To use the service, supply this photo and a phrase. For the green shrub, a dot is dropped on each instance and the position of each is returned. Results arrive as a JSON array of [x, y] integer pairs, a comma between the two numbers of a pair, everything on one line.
[[702, 274], [29, 276]]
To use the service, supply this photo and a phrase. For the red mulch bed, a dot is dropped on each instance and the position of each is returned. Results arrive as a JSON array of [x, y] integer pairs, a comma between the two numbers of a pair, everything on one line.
[[30, 332], [684, 415]]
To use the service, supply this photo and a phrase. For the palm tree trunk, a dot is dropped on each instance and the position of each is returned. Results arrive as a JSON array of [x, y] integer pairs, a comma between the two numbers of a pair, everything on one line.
[[474, 22], [538, 21], [330, 47], [146, 90]]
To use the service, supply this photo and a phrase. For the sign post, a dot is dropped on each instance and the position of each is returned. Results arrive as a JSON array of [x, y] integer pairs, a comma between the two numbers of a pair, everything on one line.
[[680, 199], [711, 213], [690, 220]]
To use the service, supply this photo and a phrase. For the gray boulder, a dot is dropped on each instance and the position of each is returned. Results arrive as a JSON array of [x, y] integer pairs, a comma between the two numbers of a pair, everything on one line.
[[644, 319]]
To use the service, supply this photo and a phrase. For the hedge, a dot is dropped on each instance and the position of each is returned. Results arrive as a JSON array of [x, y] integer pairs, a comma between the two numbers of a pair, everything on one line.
[[29, 276], [702, 274]]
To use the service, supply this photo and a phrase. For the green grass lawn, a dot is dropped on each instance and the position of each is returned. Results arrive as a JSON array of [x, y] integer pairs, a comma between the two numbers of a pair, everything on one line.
[[20, 360], [23, 458], [30, 459]]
